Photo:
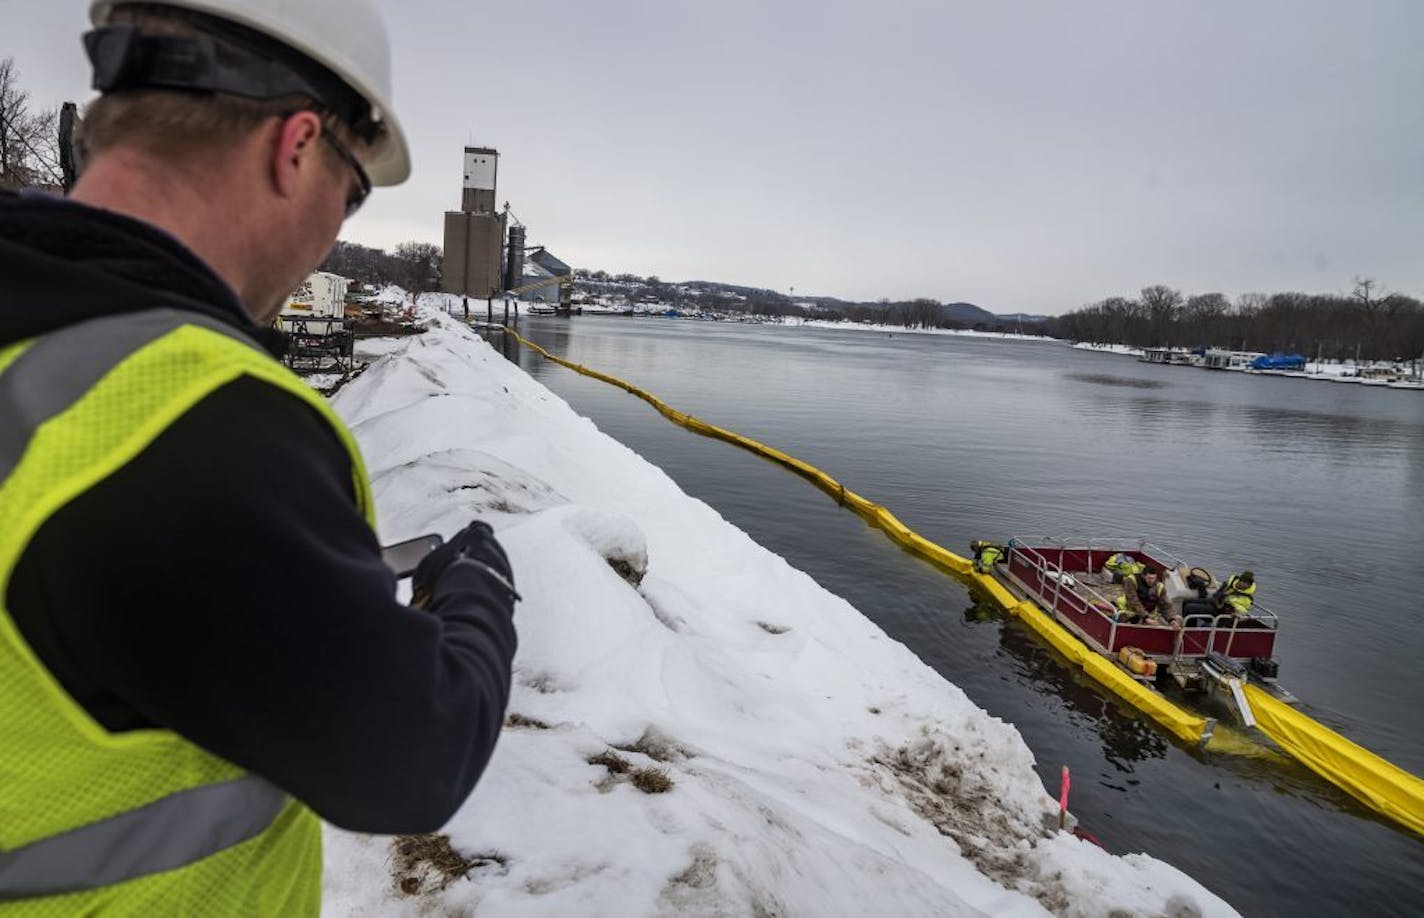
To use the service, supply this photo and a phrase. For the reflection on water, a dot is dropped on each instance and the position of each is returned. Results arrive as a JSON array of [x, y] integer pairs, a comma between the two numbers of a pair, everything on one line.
[[1125, 737], [1315, 487], [1103, 379], [506, 344]]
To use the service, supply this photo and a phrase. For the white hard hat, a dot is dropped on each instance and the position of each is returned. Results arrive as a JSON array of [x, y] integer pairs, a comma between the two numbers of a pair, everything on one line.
[[346, 37]]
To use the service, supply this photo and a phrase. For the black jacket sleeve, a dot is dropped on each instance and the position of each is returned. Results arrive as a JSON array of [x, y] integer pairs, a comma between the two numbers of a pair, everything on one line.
[[223, 585]]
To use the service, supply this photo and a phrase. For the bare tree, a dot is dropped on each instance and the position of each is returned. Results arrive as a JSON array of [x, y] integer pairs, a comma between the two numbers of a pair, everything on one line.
[[29, 140], [1364, 293], [423, 266], [1369, 304], [1162, 304], [1202, 313]]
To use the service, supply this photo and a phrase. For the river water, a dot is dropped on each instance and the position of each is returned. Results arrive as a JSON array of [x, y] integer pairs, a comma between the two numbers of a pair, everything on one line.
[[1317, 487]]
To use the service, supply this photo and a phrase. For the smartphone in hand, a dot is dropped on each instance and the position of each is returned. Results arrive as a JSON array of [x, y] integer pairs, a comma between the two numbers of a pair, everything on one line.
[[404, 557]]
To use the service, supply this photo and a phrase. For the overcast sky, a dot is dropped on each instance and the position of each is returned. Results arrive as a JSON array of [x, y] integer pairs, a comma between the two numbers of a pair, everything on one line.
[[1025, 156]]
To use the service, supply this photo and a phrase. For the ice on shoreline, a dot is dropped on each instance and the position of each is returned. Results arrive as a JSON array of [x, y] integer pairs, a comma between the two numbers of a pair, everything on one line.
[[813, 765]]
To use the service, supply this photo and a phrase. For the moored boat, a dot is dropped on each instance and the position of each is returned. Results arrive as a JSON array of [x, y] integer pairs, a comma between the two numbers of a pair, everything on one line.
[[1214, 650]]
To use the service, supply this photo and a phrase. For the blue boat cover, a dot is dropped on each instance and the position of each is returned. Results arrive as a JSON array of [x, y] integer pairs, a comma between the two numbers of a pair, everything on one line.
[[1279, 362]]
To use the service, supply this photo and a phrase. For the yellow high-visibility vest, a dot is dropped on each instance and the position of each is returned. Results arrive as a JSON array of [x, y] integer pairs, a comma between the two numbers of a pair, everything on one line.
[[1238, 595], [142, 822], [988, 556], [1124, 564]]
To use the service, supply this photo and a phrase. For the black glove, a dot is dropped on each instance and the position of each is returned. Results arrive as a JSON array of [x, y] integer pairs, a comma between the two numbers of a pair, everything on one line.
[[475, 544]]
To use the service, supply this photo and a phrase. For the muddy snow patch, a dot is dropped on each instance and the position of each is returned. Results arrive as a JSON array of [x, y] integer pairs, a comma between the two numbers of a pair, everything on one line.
[[959, 799]]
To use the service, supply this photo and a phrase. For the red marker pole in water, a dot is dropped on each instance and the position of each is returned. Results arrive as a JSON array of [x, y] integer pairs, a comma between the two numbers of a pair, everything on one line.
[[1063, 800]]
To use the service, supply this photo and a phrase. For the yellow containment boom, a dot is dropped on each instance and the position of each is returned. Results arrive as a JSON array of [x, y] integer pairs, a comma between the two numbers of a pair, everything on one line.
[[1370, 779], [1378, 784]]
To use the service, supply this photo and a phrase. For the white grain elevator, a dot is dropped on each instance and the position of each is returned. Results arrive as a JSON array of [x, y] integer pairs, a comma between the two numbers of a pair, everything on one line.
[[474, 234]]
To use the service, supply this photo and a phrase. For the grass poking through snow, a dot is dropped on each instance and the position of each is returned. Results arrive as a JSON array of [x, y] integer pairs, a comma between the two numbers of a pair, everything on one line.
[[611, 760], [652, 780], [428, 863]]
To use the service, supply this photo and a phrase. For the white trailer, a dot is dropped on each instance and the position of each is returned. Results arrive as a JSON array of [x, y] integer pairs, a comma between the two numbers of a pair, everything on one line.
[[317, 307]]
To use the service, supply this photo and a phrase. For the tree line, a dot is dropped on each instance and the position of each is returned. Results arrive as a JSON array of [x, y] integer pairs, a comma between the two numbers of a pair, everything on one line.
[[1365, 323], [414, 266]]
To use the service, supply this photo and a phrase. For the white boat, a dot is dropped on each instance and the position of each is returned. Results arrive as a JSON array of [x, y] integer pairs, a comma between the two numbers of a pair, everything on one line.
[[1218, 359], [1172, 356]]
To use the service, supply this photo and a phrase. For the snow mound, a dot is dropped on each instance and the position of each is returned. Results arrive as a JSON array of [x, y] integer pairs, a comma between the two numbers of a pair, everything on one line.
[[695, 726]]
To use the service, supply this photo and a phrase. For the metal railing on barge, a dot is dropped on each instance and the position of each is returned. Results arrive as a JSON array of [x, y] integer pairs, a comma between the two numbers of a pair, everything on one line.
[[1051, 579]]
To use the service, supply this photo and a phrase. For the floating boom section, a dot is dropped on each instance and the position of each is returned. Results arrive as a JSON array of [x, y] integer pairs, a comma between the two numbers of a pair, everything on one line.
[[1378, 784], [1373, 781]]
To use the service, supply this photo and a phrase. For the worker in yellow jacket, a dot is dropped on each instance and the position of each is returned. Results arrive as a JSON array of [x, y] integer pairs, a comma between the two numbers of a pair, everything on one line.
[[201, 651]]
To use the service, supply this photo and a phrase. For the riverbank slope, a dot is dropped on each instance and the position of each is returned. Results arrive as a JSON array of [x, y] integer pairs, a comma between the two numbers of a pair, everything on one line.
[[695, 725]]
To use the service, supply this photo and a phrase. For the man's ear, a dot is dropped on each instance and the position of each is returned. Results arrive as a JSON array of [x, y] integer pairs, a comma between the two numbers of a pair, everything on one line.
[[295, 155]]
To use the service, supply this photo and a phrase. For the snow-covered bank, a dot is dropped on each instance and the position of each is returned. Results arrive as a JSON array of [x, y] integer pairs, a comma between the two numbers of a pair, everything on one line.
[[892, 329], [816, 766]]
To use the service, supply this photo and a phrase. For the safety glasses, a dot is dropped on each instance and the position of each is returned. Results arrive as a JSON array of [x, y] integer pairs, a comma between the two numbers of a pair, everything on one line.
[[362, 191], [358, 196]]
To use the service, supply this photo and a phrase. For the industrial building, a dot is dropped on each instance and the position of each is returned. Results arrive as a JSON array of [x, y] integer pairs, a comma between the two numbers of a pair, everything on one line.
[[541, 278], [485, 254], [474, 234]]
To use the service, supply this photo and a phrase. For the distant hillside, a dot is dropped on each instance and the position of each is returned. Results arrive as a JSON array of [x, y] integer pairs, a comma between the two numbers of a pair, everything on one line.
[[961, 312], [715, 295], [967, 313]]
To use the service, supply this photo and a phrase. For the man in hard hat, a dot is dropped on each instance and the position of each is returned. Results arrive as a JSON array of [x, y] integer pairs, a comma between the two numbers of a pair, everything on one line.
[[200, 649]]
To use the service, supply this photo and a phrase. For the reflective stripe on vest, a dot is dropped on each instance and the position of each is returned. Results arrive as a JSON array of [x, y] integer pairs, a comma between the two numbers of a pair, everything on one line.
[[151, 817], [170, 832], [58, 369]]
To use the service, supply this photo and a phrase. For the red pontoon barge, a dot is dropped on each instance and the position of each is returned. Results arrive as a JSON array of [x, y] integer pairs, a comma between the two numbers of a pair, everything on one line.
[[1213, 651]]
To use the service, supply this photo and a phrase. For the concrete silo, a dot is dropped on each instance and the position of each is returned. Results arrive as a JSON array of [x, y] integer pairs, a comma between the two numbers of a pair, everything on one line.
[[474, 234]]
